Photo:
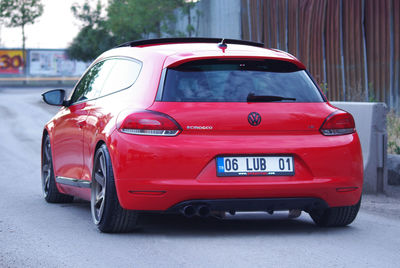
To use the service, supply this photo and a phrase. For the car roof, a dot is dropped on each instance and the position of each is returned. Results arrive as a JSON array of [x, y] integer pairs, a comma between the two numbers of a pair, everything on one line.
[[176, 51]]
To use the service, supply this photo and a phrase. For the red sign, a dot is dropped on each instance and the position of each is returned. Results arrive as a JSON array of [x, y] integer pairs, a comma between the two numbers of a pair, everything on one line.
[[11, 62]]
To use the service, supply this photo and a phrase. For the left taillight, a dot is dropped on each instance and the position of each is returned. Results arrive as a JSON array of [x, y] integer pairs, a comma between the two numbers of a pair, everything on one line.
[[149, 123], [338, 123]]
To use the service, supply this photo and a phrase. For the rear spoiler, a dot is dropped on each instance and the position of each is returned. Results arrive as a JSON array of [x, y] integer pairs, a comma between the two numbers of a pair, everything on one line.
[[182, 40]]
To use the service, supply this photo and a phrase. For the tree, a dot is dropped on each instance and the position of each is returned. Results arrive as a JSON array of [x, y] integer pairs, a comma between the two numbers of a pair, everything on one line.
[[187, 9], [89, 43], [18, 13], [94, 37], [137, 19], [126, 20]]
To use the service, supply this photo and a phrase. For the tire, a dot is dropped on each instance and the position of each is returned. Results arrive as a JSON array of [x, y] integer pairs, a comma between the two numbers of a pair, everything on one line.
[[107, 213], [49, 187], [335, 216]]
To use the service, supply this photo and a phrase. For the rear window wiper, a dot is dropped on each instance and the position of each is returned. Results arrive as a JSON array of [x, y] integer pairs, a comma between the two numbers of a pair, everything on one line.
[[254, 98]]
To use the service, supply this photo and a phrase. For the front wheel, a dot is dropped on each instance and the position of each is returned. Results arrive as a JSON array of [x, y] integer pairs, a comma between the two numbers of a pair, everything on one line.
[[49, 187], [336, 216], [107, 213]]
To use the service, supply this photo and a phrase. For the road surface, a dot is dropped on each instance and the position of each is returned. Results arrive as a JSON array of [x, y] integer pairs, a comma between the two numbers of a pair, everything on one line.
[[34, 233]]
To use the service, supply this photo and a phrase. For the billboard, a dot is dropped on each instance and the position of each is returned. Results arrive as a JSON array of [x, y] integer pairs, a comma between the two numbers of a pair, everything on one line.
[[54, 63], [11, 61]]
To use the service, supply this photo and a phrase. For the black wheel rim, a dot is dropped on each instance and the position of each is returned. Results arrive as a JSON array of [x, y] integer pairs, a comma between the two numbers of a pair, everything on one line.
[[98, 187], [46, 167]]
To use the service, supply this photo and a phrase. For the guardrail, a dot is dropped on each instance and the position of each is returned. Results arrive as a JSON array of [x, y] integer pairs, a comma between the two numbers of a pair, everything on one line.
[[38, 81]]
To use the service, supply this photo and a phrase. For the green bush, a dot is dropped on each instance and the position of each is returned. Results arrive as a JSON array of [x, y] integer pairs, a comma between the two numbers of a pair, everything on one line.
[[393, 128]]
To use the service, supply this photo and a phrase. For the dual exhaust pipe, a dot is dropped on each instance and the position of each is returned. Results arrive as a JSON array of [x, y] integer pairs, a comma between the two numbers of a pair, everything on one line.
[[201, 210], [204, 211]]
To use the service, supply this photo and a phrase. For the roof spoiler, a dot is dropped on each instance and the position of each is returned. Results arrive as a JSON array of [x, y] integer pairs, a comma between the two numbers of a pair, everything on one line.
[[159, 41]]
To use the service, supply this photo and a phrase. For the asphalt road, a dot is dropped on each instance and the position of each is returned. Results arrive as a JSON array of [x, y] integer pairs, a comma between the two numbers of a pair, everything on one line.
[[34, 233]]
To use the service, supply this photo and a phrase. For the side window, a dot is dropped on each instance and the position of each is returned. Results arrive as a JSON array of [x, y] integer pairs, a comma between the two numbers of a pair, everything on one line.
[[91, 84], [123, 74]]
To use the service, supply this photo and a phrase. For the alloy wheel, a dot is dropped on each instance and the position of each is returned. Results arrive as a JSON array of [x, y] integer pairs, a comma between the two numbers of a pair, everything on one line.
[[46, 167], [98, 187]]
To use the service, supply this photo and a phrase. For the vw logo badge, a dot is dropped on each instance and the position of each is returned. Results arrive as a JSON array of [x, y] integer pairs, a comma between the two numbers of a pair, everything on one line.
[[254, 119]]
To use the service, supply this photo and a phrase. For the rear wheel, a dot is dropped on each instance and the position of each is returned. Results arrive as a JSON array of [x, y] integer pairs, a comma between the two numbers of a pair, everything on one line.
[[49, 188], [107, 213], [336, 216]]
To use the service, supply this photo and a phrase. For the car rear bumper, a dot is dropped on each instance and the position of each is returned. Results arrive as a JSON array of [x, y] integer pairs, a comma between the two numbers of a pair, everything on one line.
[[164, 195], [156, 174]]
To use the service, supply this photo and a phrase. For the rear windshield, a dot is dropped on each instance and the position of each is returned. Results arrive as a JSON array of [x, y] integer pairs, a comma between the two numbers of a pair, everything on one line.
[[238, 81]]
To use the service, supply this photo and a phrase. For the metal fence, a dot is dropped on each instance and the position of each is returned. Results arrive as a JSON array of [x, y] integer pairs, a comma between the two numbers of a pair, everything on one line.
[[351, 47]]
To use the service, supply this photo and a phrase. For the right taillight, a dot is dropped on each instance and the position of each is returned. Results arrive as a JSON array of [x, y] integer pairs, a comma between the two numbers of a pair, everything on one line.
[[338, 123]]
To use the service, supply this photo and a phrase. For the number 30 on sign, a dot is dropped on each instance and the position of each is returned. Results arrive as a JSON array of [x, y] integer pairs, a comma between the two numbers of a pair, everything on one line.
[[11, 62]]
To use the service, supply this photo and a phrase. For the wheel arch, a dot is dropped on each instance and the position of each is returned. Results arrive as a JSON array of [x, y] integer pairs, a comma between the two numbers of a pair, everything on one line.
[[98, 145], [45, 133]]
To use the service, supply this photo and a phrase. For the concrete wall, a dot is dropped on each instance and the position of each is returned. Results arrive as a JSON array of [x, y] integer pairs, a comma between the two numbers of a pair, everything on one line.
[[370, 119]]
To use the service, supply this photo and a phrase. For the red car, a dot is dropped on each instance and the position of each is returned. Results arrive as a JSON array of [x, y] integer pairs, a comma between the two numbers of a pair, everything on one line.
[[200, 126]]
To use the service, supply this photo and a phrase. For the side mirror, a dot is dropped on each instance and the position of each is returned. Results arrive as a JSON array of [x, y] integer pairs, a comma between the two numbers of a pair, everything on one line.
[[55, 97]]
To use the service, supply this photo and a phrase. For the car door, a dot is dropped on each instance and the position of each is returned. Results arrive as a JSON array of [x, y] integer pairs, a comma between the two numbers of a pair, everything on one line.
[[123, 73], [68, 136]]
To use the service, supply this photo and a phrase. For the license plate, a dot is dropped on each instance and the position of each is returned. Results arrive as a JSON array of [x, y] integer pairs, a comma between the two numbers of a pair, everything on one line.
[[255, 166]]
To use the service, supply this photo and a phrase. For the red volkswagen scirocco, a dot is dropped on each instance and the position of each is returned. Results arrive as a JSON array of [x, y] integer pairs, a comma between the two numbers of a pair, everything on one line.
[[200, 126]]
